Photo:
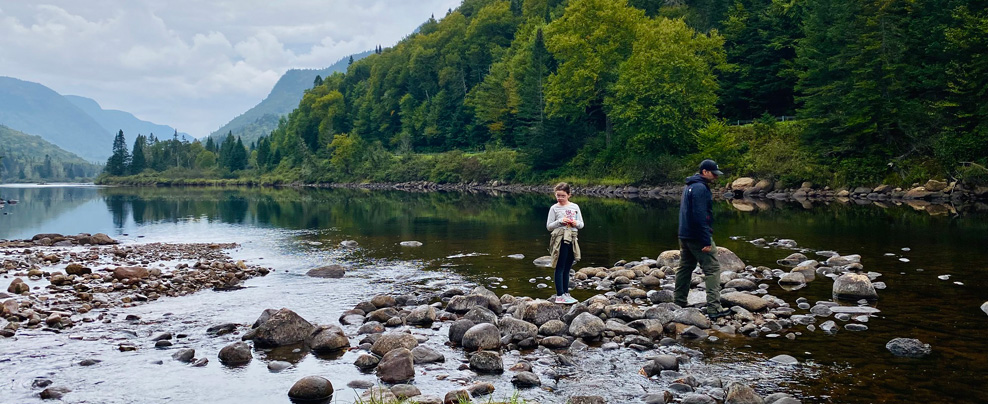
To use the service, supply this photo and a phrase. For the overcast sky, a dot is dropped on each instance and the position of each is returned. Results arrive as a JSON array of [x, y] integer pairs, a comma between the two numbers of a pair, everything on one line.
[[194, 65]]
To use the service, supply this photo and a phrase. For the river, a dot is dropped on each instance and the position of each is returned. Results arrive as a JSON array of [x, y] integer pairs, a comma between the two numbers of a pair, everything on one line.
[[934, 261]]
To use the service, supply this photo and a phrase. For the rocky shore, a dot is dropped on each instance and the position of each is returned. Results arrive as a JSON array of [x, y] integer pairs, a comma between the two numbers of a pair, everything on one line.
[[470, 337], [56, 280]]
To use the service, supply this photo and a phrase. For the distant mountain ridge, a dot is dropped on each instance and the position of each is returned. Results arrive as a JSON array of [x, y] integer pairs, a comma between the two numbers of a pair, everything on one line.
[[114, 120], [22, 158], [283, 99], [38, 110]]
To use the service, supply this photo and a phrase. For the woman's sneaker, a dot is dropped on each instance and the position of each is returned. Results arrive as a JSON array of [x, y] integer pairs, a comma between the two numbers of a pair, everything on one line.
[[559, 299], [567, 299]]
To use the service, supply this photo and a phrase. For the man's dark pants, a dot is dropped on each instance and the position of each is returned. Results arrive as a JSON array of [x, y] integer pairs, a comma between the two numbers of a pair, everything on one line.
[[691, 253]]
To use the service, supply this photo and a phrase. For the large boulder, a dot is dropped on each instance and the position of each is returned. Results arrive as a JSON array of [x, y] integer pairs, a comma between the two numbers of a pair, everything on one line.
[[742, 183], [935, 186], [984, 307], [854, 286], [729, 261], [311, 389], [587, 326], [749, 302], [651, 328], [458, 328], [423, 355], [329, 271], [540, 311], [463, 303], [397, 366], [284, 327], [486, 362], [76, 269], [482, 336], [392, 341], [660, 363], [792, 260], [626, 312], [328, 338], [132, 273], [917, 193], [908, 347], [669, 258], [481, 315], [235, 354]]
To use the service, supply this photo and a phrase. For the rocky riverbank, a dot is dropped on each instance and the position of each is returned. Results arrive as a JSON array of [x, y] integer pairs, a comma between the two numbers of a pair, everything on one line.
[[56, 281]]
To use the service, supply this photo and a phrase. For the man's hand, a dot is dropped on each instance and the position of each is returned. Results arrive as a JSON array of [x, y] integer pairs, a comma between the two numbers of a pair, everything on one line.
[[706, 249]]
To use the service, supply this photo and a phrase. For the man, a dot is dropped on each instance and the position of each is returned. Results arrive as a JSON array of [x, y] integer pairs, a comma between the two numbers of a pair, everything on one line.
[[696, 244]]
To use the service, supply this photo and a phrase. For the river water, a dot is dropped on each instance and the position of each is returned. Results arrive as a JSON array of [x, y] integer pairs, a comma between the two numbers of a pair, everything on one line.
[[933, 259]]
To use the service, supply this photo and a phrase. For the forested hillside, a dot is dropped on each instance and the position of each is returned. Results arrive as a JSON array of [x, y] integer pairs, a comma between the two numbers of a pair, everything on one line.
[[638, 91], [27, 158]]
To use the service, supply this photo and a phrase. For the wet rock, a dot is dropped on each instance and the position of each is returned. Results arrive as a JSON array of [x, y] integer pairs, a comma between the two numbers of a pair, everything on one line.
[[481, 337], [360, 384], [457, 397], [525, 380], [984, 307], [792, 278], [382, 315], [372, 327], [17, 286], [403, 391], [821, 310], [784, 360], [393, 341], [349, 244], [277, 366], [462, 304], [741, 285], [132, 273], [555, 342], [792, 260], [829, 327], [908, 347], [221, 329], [661, 296], [378, 394], [587, 326], [553, 328], [660, 363], [694, 332], [366, 362], [691, 316], [632, 293], [184, 355], [480, 389], [587, 400], [650, 328], [328, 338], [658, 398], [411, 243], [54, 393], [89, 362], [486, 362], [738, 393], [856, 327], [424, 355], [76, 269], [540, 311], [626, 312], [382, 301], [284, 327], [669, 258], [854, 286], [421, 315], [517, 329], [698, 398], [460, 327], [397, 366], [808, 272], [729, 261], [544, 261], [329, 271], [749, 302], [311, 388], [481, 315], [235, 354]]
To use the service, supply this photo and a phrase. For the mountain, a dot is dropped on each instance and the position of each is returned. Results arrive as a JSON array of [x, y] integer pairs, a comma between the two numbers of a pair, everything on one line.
[[26, 157], [36, 109], [283, 98], [113, 120]]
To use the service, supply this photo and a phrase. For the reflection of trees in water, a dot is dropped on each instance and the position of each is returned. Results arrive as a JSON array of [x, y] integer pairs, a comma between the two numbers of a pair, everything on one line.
[[41, 204]]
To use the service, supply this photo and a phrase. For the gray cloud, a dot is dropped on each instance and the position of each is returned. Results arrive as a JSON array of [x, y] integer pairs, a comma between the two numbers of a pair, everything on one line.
[[193, 65]]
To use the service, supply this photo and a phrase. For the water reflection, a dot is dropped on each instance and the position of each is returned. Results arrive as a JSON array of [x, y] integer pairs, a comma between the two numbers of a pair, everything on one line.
[[471, 234]]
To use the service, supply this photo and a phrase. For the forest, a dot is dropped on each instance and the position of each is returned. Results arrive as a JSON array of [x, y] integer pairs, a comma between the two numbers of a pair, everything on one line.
[[834, 92]]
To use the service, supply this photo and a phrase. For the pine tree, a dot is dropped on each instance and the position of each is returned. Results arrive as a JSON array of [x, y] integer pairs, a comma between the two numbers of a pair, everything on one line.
[[137, 160], [120, 159], [317, 82]]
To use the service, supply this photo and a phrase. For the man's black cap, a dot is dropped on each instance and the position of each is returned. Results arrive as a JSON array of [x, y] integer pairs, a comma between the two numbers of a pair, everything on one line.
[[711, 166]]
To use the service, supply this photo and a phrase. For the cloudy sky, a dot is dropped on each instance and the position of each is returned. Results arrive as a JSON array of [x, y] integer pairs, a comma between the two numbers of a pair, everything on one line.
[[194, 65]]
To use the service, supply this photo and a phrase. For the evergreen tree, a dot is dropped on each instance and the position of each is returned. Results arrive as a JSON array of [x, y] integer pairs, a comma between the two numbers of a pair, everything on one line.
[[120, 159], [317, 82], [210, 144], [137, 161]]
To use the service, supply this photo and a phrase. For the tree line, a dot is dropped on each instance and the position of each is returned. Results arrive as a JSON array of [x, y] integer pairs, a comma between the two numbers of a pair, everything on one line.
[[637, 91], [175, 155]]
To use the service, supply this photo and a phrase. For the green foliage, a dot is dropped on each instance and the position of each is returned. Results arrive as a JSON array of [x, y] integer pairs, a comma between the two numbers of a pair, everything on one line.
[[26, 158], [120, 159], [973, 175]]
